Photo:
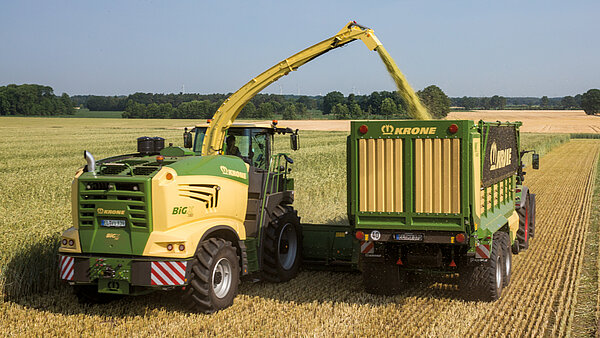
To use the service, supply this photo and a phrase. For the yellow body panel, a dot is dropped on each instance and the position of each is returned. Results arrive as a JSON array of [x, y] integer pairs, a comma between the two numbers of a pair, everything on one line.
[[185, 207], [70, 234], [74, 199], [476, 170], [380, 175], [437, 175], [513, 224]]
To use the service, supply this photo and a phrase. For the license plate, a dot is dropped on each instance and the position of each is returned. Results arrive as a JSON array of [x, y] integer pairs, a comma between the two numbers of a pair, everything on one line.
[[409, 237], [113, 223]]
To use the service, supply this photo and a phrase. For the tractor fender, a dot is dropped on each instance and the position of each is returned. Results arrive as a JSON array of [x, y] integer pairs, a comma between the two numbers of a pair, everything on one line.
[[521, 203]]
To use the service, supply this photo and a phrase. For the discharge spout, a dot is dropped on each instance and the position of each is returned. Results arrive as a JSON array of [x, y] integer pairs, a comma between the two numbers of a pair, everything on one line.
[[91, 162]]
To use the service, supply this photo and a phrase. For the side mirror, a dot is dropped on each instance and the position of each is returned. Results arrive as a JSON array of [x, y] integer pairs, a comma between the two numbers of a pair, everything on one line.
[[295, 141], [187, 139], [535, 161]]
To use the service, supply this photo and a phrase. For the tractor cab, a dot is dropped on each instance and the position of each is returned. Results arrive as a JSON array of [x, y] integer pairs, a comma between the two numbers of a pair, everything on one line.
[[252, 142]]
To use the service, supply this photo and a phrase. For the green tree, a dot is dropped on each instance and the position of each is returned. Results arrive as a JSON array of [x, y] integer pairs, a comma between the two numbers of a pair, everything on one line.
[[388, 107], [590, 102], [330, 100], [248, 111], [341, 111], [289, 113], [265, 110], [544, 102], [568, 102], [435, 100], [356, 112]]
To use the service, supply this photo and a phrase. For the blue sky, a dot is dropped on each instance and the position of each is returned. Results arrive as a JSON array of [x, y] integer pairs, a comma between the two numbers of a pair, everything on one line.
[[474, 48]]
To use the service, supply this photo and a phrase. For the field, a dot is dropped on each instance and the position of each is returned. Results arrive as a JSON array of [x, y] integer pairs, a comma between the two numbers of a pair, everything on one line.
[[40, 155]]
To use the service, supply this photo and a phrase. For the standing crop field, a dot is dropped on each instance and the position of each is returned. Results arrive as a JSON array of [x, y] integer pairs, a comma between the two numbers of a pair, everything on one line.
[[39, 156]]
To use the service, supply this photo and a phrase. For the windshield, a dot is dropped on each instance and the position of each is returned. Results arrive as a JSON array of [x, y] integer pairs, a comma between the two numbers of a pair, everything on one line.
[[251, 144], [200, 132]]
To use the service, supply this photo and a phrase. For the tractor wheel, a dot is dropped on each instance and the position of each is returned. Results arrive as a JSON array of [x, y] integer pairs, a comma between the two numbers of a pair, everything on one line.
[[484, 281], [507, 262], [214, 278], [383, 278], [524, 218], [531, 215], [282, 246], [88, 294]]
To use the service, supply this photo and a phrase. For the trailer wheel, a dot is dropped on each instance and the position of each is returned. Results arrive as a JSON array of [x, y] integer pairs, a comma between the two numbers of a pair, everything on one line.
[[507, 261], [282, 246], [88, 294], [484, 281], [532, 205], [524, 223], [214, 278], [383, 278]]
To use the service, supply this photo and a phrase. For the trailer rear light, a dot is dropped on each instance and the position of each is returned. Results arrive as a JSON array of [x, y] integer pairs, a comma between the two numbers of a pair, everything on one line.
[[360, 235], [518, 190], [460, 238], [170, 247], [363, 129], [453, 128], [181, 247]]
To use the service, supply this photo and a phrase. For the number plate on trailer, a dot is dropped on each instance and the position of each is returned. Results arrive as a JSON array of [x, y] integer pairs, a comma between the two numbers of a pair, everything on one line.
[[409, 237], [113, 223]]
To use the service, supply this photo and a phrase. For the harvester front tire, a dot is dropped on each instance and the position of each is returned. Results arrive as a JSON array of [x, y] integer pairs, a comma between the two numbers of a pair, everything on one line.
[[484, 281], [214, 278], [523, 234], [383, 278], [282, 246]]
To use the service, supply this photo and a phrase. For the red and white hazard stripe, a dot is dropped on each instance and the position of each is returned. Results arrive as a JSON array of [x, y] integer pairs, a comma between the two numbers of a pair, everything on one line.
[[367, 247], [67, 267], [167, 273], [482, 251]]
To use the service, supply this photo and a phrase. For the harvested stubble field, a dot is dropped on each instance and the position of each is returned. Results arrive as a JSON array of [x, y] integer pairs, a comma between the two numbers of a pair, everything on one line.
[[38, 157]]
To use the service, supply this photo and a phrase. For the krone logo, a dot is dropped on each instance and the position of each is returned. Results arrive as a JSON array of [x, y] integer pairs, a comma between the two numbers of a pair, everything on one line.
[[113, 236], [102, 211], [387, 129], [499, 158], [231, 172]]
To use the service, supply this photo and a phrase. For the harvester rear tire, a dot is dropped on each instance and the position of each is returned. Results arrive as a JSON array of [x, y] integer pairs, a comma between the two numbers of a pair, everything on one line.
[[524, 223], [484, 281], [282, 245], [88, 294], [383, 278], [214, 277]]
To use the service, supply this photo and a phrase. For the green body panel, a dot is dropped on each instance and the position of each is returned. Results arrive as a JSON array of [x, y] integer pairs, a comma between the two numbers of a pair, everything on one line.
[[176, 152], [231, 167], [252, 254], [329, 244], [103, 198]]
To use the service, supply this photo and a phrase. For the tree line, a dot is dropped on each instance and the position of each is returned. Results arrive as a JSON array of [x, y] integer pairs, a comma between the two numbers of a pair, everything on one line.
[[33, 100], [529, 103]]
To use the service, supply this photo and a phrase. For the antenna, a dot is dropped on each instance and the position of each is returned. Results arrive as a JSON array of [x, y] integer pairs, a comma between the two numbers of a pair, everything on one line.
[[183, 89]]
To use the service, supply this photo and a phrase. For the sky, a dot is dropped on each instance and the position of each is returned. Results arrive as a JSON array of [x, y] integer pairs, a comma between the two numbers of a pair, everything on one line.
[[472, 48]]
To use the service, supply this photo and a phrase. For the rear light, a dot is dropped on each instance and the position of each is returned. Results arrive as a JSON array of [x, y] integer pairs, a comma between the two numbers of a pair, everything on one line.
[[460, 238], [518, 190], [181, 247], [363, 129], [64, 241], [360, 235], [453, 128], [170, 247]]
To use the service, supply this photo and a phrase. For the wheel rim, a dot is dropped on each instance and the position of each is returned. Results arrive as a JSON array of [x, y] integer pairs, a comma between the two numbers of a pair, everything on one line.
[[221, 278], [498, 273], [287, 246], [508, 264]]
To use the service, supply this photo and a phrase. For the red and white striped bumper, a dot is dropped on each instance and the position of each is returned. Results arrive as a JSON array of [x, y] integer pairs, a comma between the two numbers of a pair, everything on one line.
[[67, 267], [482, 251], [168, 273]]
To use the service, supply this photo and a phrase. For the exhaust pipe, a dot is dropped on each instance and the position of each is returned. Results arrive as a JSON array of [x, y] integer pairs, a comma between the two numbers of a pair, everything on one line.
[[91, 163]]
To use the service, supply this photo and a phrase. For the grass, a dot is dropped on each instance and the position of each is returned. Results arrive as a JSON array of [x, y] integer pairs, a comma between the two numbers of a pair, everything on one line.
[[37, 161]]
